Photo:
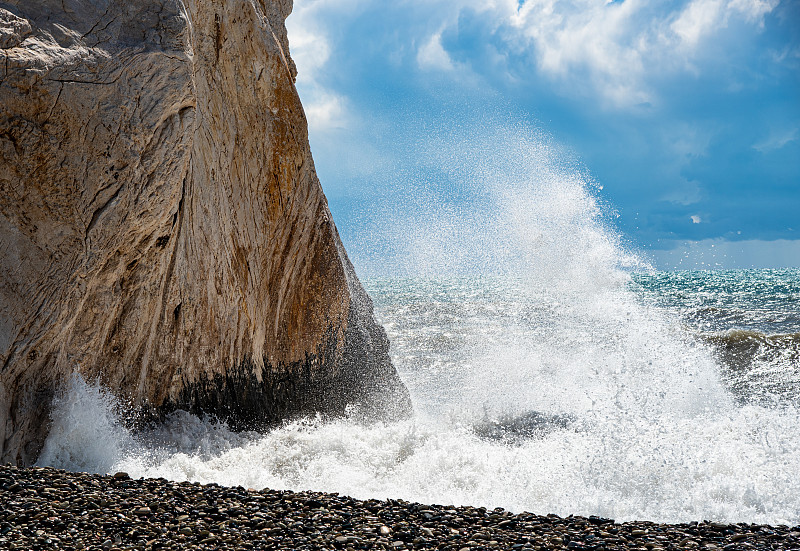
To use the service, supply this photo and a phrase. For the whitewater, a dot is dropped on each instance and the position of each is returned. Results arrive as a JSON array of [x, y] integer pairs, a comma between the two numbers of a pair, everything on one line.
[[551, 369]]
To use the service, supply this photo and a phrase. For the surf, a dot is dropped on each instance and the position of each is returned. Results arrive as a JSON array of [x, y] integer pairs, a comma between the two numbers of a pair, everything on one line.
[[542, 380]]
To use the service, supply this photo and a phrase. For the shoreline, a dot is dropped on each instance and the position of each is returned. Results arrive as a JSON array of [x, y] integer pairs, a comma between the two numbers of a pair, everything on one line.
[[45, 508]]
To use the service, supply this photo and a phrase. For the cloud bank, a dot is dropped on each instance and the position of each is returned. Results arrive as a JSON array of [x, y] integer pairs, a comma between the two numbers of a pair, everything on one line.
[[683, 110]]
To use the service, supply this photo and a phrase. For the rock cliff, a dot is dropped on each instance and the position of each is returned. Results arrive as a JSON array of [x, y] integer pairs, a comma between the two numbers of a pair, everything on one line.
[[162, 228]]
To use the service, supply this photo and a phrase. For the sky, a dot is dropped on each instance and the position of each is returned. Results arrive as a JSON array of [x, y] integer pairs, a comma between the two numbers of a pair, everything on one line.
[[682, 117]]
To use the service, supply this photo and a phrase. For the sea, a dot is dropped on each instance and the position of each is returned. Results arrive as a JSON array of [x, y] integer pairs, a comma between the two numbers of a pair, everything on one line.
[[552, 370]]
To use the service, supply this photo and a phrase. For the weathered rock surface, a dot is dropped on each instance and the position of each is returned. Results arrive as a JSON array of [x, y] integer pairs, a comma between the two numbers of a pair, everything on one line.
[[162, 228]]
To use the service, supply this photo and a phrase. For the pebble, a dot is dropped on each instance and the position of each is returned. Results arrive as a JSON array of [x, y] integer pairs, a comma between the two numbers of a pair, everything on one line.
[[42, 508]]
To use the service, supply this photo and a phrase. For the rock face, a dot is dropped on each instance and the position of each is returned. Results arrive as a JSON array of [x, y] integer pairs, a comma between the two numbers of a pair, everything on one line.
[[162, 228]]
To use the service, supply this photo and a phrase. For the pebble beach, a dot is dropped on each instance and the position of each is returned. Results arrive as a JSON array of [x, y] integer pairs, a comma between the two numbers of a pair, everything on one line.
[[44, 508]]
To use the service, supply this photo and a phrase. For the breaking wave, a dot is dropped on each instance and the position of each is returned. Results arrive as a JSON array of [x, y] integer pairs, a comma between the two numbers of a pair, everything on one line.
[[543, 377]]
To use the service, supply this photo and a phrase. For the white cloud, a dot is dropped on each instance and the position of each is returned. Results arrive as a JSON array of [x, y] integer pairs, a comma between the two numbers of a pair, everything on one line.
[[585, 36], [310, 48], [786, 54], [754, 10], [622, 46], [701, 19], [616, 52], [433, 56], [695, 219], [697, 21], [777, 139], [325, 111]]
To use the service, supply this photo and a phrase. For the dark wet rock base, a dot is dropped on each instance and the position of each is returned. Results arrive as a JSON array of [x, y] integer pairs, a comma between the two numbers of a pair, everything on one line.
[[43, 508]]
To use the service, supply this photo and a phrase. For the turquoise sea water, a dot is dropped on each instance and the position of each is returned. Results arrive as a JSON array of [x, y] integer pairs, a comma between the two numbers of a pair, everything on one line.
[[751, 318], [763, 301]]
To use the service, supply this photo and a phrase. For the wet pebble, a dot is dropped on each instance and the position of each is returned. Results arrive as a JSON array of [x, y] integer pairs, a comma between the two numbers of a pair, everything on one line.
[[43, 508]]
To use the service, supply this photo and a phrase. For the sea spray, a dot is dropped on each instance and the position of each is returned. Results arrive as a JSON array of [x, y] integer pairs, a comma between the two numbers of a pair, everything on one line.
[[86, 432], [527, 313]]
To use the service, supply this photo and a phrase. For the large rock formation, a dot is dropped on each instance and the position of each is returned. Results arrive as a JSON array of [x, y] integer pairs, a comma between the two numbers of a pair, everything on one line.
[[162, 228]]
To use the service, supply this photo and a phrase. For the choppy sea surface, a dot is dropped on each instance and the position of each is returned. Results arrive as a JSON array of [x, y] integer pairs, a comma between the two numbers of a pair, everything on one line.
[[562, 376], [751, 319]]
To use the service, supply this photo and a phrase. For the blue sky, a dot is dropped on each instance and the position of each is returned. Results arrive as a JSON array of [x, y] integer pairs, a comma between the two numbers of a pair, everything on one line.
[[683, 117]]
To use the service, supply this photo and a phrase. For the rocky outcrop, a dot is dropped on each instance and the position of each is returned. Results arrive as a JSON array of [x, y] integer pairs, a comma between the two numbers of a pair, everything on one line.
[[162, 228]]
